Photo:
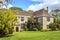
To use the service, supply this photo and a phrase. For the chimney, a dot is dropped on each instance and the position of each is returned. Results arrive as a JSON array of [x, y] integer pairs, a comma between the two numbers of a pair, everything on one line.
[[47, 8]]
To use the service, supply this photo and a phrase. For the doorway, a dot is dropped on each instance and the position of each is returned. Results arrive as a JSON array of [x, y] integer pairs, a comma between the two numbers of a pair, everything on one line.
[[17, 29]]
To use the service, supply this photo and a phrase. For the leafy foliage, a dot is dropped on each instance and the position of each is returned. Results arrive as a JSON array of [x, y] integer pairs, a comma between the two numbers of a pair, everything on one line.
[[5, 2], [32, 25], [7, 17], [58, 24], [57, 10], [30, 10], [16, 8], [56, 15], [25, 26], [52, 26]]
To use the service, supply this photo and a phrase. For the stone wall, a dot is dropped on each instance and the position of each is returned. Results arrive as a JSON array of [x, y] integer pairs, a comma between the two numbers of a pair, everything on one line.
[[46, 23]]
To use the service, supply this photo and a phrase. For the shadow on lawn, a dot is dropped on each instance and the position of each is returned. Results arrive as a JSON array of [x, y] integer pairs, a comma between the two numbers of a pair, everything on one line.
[[6, 36]]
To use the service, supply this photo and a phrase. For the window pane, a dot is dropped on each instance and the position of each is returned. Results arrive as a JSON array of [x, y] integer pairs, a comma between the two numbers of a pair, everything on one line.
[[22, 18], [48, 18]]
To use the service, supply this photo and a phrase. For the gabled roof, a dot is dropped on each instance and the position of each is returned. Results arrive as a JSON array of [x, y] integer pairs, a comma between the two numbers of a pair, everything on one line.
[[41, 12], [24, 13]]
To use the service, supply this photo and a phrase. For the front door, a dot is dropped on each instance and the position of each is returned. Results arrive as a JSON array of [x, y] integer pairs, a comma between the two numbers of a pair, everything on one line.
[[17, 29]]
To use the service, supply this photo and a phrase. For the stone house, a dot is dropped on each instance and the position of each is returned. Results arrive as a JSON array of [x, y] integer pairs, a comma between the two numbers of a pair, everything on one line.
[[43, 17], [22, 18], [39, 16]]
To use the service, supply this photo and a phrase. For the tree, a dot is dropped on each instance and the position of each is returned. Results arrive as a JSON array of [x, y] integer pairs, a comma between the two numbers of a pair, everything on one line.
[[38, 25], [7, 18], [16, 8], [25, 26], [1, 4], [56, 13], [30, 10], [5, 3], [30, 23], [52, 26], [33, 25], [57, 10]]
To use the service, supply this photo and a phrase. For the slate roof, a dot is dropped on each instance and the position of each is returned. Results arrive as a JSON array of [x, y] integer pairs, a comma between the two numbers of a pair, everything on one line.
[[24, 13], [42, 12], [39, 13]]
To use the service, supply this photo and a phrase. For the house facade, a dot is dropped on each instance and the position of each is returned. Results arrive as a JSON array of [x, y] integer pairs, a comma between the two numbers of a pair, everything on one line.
[[22, 18], [41, 16]]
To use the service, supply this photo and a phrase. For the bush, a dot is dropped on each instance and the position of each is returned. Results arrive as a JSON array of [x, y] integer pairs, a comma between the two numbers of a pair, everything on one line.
[[46, 30], [33, 25], [52, 26], [35, 29], [25, 26], [11, 30], [6, 31], [22, 30], [7, 18], [39, 26]]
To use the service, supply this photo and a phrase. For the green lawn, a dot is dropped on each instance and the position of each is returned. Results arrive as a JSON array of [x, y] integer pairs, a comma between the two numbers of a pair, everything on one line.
[[33, 36]]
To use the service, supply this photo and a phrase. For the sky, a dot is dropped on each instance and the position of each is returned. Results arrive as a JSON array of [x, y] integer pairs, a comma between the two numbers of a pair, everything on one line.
[[36, 4], [23, 3]]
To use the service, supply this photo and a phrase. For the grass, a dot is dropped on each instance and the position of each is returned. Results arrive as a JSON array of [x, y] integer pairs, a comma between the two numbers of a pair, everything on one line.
[[33, 36]]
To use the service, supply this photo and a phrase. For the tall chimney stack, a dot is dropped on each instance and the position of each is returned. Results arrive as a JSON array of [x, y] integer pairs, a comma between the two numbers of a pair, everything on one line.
[[47, 8]]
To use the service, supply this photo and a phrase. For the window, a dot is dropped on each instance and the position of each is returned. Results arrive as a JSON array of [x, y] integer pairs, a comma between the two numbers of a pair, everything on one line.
[[22, 18], [48, 18], [18, 16], [40, 19]]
